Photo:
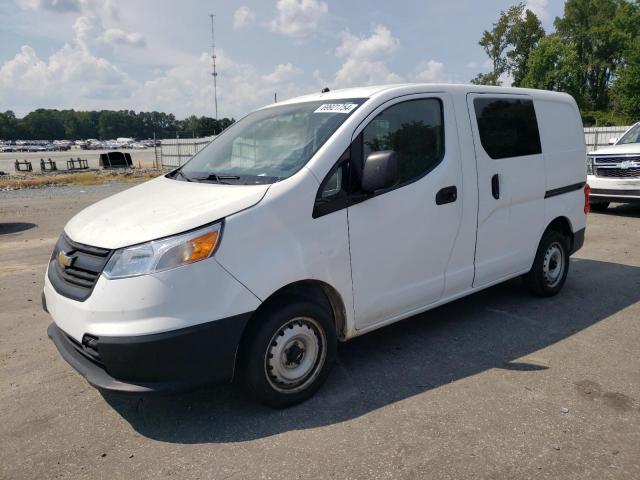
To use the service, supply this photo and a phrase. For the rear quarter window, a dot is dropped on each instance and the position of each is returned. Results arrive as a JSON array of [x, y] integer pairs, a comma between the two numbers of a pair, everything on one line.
[[508, 127]]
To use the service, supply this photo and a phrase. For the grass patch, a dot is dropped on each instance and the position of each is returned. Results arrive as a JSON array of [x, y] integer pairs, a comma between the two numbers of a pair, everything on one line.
[[82, 178]]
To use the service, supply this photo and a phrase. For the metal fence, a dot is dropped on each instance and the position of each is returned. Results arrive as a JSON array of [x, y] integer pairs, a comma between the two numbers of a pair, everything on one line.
[[596, 137], [174, 152]]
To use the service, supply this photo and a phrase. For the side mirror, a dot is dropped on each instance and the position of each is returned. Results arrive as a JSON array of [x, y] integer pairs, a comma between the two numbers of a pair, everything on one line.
[[380, 171], [612, 141]]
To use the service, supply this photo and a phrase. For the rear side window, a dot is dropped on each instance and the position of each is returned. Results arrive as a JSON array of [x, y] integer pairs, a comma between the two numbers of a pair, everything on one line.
[[413, 129], [508, 127]]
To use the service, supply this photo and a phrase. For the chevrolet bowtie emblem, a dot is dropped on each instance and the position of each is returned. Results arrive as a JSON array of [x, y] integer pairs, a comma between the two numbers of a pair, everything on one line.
[[64, 260]]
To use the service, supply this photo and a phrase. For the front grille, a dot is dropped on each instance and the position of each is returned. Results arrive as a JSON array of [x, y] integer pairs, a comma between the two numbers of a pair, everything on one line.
[[615, 172], [617, 166], [85, 264]]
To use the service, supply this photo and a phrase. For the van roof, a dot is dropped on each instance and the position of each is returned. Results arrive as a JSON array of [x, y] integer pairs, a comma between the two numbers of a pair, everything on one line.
[[409, 88]]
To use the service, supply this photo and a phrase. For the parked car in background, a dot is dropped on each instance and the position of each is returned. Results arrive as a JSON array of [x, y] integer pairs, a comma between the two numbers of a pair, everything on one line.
[[313, 221], [614, 171]]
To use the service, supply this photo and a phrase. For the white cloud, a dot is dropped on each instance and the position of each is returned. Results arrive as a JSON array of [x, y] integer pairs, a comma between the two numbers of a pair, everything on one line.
[[365, 58], [69, 74], [298, 18], [472, 65], [67, 6], [281, 73], [243, 18], [430, 71], [120, 37], [539, 7], [89, 29]]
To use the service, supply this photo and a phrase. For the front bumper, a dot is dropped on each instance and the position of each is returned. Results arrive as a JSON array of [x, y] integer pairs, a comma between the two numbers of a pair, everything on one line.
[[614, 189], [163, 362]]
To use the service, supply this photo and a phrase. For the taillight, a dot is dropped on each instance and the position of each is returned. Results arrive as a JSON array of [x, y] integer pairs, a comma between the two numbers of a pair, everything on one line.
[[587, 203]]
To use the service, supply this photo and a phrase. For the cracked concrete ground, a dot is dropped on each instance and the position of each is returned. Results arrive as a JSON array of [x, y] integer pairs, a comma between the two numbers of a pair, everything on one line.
[[496, 385]]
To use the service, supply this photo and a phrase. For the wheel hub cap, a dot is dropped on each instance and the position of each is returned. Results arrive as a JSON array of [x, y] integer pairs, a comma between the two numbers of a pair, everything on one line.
[[553, 265], [295, 355]]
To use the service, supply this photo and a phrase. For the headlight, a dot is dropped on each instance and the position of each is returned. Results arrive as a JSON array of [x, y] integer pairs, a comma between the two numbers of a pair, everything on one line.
[[590, 165], [164, 254]]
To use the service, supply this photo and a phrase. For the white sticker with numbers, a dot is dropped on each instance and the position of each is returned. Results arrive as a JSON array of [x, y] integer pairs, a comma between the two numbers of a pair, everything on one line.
[[335, 108]]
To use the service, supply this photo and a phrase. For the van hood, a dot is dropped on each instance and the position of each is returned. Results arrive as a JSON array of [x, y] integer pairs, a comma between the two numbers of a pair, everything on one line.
[[618, 149], [158, 208]]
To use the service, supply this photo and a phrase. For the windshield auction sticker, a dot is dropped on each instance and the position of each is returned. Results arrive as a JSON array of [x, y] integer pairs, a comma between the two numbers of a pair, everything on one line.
[[335, 108]]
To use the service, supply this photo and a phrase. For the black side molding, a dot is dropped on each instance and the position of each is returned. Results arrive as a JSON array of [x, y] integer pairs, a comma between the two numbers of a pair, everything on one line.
[[562, 190]]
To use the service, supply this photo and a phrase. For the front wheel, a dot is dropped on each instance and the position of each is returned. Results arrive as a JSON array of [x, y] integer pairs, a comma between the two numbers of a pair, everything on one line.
[[288, 353], [551, 265]]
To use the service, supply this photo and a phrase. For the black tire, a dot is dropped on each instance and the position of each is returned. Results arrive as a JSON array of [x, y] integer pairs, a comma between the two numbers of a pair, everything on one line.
[[297, 322], [599, 206], [544, 279]]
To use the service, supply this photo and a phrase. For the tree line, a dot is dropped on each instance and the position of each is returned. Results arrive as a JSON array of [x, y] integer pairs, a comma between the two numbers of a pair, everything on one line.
[[593, 54], [49, 124]]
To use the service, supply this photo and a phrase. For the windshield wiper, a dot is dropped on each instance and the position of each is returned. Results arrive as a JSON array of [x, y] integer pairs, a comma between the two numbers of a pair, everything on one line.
[[218, 178], [179, 172]]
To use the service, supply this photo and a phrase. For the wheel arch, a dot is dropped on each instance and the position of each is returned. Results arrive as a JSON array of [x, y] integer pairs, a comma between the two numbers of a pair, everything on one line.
[[316, 291], [563, 226]]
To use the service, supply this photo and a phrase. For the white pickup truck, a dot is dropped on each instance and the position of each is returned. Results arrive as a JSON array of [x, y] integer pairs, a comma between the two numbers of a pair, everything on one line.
[[614, 171]]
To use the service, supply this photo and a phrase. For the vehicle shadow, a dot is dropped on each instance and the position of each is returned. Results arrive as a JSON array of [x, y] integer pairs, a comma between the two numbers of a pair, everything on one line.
[[491, 329], [631, 210], [15, 227]]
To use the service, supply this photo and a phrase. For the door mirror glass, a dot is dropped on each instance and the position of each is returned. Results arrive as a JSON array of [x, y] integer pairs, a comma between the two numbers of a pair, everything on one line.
[[380, 171]]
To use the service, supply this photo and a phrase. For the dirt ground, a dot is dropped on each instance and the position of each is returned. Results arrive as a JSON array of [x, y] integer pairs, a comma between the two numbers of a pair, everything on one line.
[[499, 385]]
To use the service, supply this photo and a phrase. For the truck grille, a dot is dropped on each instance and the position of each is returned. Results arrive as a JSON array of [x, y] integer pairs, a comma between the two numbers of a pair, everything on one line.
[[614, 172], [617, 166], [76, 271]]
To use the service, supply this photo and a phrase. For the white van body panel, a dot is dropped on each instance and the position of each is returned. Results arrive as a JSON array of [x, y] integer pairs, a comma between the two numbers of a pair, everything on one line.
[[562, 139], [156, 209], [507, 231], [387, 279], [280, 243]]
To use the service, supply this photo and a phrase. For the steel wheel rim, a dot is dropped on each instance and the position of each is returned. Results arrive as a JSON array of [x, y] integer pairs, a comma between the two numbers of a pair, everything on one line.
[[553, 265], [295, 355]]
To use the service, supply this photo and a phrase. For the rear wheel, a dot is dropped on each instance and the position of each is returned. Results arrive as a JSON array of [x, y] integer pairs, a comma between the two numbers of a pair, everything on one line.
[[551, 265], [599, 206], [289, 353]]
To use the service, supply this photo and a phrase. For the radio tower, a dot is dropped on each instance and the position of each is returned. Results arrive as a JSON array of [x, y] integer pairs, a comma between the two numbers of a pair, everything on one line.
[[214, 73]]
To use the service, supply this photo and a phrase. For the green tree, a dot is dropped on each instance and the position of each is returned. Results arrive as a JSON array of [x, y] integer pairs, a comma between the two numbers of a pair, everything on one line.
[[601, 32], [553, 65], [509, 43], [626, 89], [523, 36]]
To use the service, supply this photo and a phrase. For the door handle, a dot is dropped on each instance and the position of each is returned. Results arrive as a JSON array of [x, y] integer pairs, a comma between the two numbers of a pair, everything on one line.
[[495, 186], [447, 195]]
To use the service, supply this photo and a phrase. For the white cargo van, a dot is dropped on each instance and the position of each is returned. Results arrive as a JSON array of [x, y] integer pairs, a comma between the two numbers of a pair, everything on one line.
[[313, 221], [614, 171]]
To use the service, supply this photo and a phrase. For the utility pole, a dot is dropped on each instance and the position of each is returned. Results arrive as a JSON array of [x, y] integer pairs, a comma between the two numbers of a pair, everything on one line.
[[214, 73]]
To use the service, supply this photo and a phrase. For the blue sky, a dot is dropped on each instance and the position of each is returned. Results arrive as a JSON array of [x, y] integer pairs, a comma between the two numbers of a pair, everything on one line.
[[154, 55]]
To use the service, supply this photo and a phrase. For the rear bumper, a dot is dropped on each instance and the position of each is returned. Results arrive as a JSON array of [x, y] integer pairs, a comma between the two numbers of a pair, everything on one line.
[[163, 362]]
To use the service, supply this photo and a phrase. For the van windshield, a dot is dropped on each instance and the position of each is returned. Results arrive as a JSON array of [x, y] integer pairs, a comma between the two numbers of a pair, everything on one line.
[[268, 145], [632, 136]]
